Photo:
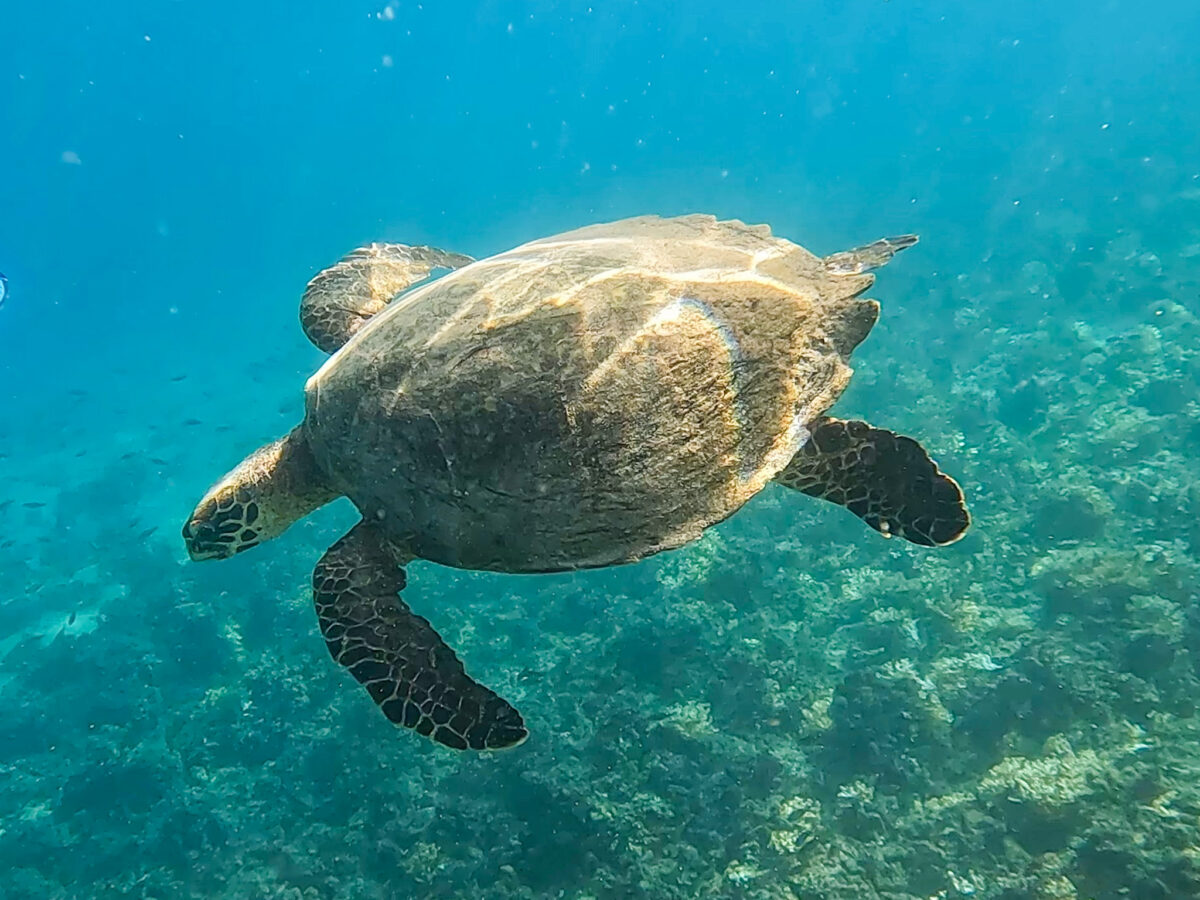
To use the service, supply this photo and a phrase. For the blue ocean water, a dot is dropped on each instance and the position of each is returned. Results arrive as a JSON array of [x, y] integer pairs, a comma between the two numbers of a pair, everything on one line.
[[791, 707]]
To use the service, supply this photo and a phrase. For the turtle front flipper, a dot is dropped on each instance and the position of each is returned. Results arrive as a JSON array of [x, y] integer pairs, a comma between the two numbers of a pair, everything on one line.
[[886, 479], [341, 298], [405, 666], [869, 256]]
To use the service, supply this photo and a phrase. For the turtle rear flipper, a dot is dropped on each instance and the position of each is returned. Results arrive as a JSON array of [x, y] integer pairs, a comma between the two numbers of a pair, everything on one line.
[[341, 298], [886, 479], [405, 666]]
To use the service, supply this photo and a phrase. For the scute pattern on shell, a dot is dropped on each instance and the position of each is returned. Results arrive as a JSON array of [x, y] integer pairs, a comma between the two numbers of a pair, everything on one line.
[[589, 398]]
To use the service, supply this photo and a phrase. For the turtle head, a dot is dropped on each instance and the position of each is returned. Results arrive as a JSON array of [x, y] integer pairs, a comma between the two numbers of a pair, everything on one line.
[[268, 491], [227, 521]]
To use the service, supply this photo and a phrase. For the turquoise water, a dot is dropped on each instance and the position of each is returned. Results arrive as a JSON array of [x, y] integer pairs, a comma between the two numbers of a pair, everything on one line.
[[791, 707]]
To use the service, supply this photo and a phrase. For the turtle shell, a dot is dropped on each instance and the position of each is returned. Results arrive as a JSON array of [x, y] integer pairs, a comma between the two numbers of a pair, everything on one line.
[[586, 399]]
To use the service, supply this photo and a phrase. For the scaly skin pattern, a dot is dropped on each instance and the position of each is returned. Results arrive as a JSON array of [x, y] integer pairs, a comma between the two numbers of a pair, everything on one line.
[[396, 655], [885, 479], [271, 489]]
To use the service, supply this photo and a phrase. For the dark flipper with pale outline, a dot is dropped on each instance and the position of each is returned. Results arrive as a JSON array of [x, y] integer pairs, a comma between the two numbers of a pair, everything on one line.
[[869, 256], [405, 666], [341, 298], [885, 479]]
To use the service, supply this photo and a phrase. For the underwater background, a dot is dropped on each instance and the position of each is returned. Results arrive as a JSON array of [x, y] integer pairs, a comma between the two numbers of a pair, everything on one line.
[[792, 707]]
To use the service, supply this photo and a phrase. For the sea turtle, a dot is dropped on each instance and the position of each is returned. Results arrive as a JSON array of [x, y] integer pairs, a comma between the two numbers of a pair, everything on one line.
[[583, 400]]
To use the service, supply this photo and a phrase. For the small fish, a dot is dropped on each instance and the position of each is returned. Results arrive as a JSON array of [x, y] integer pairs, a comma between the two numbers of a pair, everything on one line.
[[71, 618], [5, 504], [3, 288], [130, 455], [33, 504], [157, 461], [178, 377], [149, 531], [191, 422]]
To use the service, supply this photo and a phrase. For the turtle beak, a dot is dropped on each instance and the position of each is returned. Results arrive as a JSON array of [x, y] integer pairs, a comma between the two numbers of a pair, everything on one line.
[[200, 539]]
